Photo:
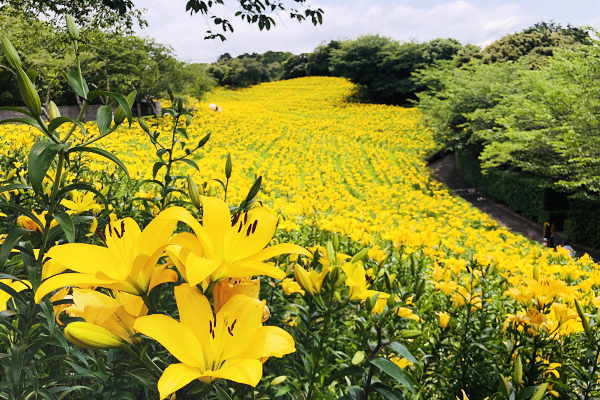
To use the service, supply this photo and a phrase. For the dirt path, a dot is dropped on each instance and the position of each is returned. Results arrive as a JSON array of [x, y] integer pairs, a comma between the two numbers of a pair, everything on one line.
[[447, 172]]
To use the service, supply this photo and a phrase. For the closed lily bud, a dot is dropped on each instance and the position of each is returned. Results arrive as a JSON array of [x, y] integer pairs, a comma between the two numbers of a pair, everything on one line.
[[338, 296], [369, 304], [358, 358], [120, 114], [334, 275], [330, 252], [504, 386], [410, 333], [53, 111], [11, 54], [72, 28], [11, 174], [228, 167], [28, 93], [391, 301], [536, 273], [518, 371], [584, 319], [143, 125], [336, 242], [193, 192], [304, 280], [359, 256], [90, 336], [278, 380]]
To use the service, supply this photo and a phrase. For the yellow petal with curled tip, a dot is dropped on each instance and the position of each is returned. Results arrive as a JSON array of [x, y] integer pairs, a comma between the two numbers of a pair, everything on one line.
[[162, 275], [244, 371], [183, 215], [270, 341], [277, 250], [237, 270], [83, 258], [253, 236], [78, 280], [177, 338], [175, 377]]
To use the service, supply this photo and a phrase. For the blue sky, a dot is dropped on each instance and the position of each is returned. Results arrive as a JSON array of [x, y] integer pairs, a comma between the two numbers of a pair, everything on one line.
[[470, 21]]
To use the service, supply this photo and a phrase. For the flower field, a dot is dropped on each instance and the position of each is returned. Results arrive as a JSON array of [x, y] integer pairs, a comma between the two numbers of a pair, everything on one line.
[[395, 288]]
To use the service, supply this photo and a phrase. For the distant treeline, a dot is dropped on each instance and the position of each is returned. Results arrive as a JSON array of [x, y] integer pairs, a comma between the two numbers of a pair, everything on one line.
[[523, 116]]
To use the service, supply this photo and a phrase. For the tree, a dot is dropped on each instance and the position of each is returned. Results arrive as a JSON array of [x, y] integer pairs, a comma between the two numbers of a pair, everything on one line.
[[535, 46], [111, 13], [295, 67], [319, 61], [579, 34], [384, 67]]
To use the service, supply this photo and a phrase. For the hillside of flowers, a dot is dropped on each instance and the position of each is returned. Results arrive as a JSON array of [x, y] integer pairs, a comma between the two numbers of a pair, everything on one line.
[[284, 243]]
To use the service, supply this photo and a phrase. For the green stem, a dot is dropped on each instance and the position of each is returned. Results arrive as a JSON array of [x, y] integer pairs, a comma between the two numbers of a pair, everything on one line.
[[53, 204], [322, 340], [151, 367], [111, 130], [79, 117], [148, 303]]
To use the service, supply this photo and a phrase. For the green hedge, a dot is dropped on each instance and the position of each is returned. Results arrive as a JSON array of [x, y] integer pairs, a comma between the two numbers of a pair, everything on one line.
[[583, 223], [527, 195]]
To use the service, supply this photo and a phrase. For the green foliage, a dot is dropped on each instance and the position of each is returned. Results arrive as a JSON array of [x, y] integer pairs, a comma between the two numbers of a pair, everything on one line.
[[384, 66], [579, 34], [295, 67], [248, 69], [319, 61]]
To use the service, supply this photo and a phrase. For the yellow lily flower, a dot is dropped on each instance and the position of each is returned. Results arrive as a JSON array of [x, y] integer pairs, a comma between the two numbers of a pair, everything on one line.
[[356, 280], [17, 286], [546, 290], [311, 281], [290, 287], [128, 263], [30, 224], [81, 203], [444, 319], [227, 288], [117, 314], [229, 345], [222, 248]]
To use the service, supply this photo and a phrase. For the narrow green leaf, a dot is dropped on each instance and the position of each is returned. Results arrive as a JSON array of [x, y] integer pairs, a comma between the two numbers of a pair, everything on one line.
[[351, 370], [19, 110], [14, 186], [156, 167], [396, 373], [41, 156], [11, 240], [73, 79], [104, 118], [67, 225], [526, 393], [23, 120], [119, 98], [387, 392], [102, 153], [203, 141], [221, 394], [190, 163], [56, 122], [16, 360], [254, 189]]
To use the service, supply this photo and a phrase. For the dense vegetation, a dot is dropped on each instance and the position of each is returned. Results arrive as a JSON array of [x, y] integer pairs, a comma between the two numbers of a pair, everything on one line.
[[523, 122]]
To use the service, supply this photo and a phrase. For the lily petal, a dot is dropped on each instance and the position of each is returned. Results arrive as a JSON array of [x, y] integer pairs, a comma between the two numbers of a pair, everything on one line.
[[270, 341], [244, 371], [177, 338], [238, 270], [217, 219], [175, 377], [183, 215], [195, 313], [277, 250]]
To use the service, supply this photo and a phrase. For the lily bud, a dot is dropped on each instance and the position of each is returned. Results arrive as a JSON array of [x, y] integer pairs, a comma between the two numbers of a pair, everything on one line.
[[359, 256], [72, 28], [11, 54], [536, 273], [504, 386], [228, 167], [278, 380], [518, 371], [337, 296], [410, 333], [336, 242], [53, 111], [90, 336], [391, 301], [330, 252], [584, 319], [143, 125], [334, 275], [358, 358], [193, 192], [120, 114], [304, 280], [28, 93], [11, 174], [369, 304], [170, 91], [539, 394]]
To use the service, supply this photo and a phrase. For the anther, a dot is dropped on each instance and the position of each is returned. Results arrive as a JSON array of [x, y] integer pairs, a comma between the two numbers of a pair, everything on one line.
[[245, 218], [236, 217], [254, 226], [122, 228], [109, 230], [249, 230], [240, 228]]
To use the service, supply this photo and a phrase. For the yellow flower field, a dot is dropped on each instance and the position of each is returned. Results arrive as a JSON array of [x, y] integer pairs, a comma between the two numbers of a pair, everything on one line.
[[354, 169]]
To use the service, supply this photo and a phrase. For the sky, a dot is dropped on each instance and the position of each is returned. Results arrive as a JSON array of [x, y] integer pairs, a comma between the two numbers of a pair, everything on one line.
[[478, 22]]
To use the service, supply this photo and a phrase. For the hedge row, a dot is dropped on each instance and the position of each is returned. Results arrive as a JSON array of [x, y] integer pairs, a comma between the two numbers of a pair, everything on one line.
[[530, 197]]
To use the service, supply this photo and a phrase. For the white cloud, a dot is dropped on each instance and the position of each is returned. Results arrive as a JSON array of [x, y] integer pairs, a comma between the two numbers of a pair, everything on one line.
[[459, 19]]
